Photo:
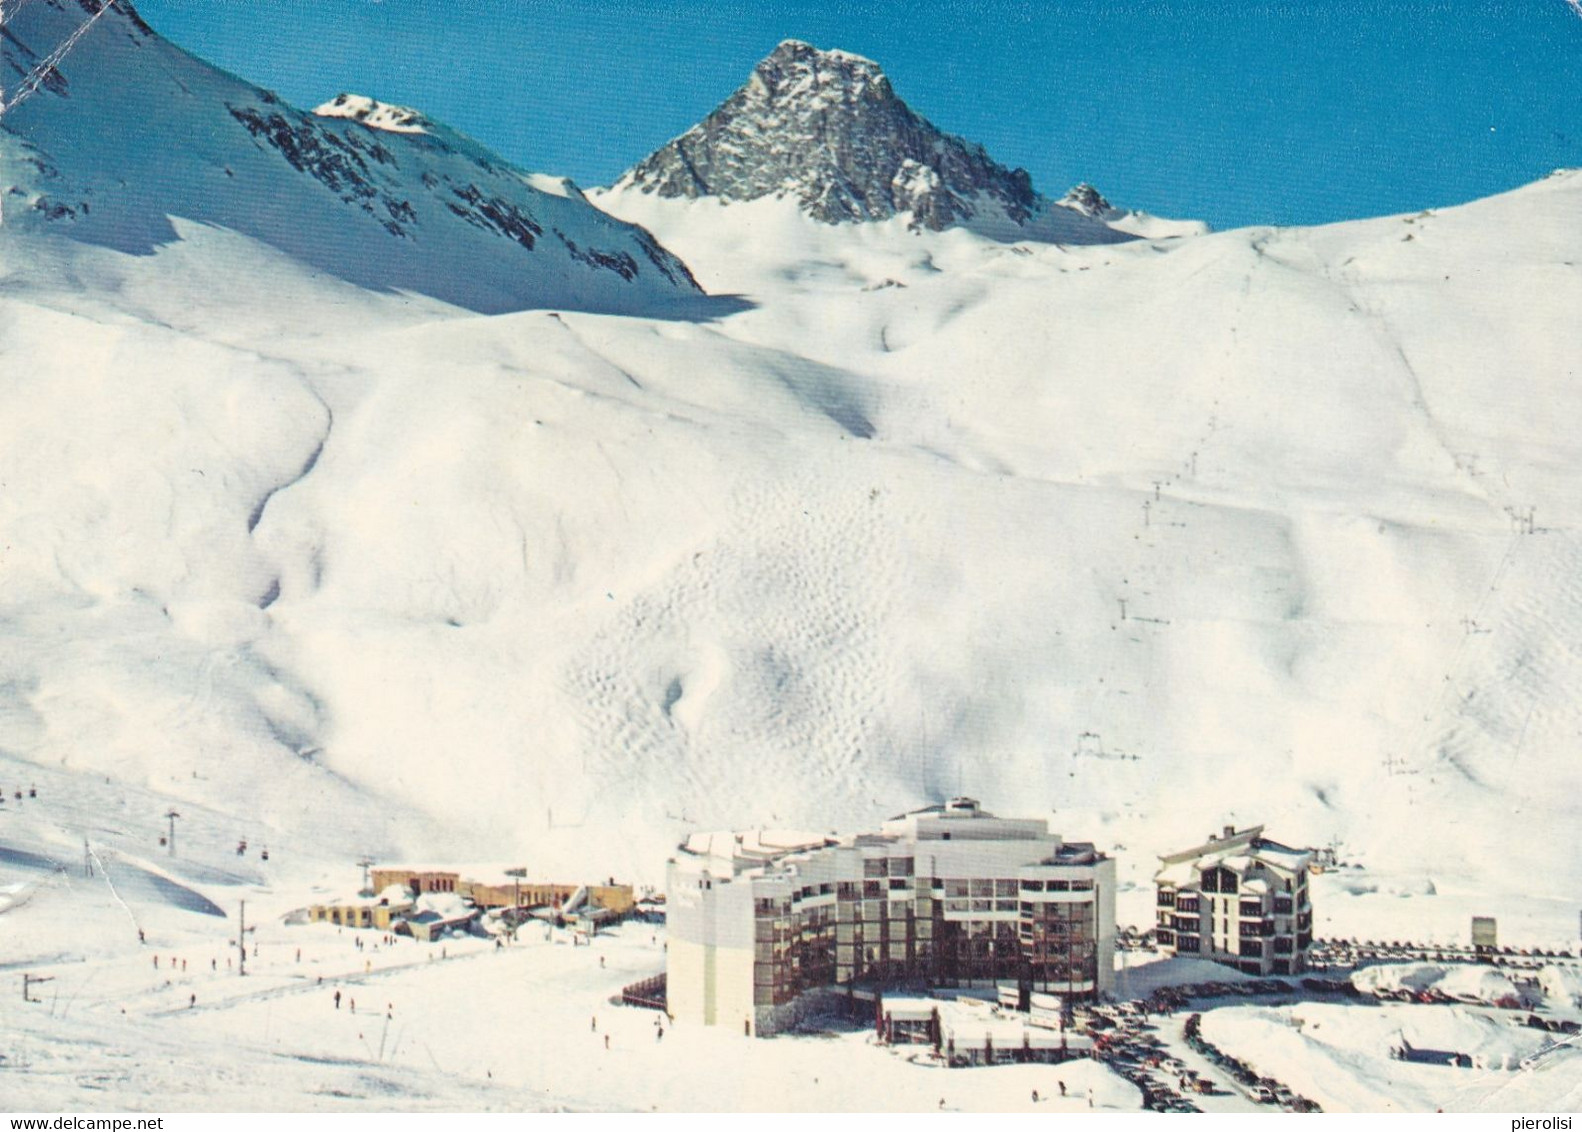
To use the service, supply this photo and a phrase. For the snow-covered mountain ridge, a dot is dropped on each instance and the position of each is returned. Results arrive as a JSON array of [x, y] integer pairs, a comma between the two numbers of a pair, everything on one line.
[[128, 131], [373, 113], [826, 130]]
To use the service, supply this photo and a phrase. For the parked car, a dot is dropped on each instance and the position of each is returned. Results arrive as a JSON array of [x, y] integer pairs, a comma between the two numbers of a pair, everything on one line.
[[1263, 1094]]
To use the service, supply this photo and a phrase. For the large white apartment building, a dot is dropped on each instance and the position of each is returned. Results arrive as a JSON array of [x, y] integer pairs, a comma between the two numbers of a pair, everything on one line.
[[1238, 899], [949, 895]]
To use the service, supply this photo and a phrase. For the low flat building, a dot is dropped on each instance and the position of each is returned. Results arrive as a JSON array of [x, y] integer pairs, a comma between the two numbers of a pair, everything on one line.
[[492, 888], [949, 895], [378, 912], [491, 891], [418, 881], [1239, 899], [436, 914]]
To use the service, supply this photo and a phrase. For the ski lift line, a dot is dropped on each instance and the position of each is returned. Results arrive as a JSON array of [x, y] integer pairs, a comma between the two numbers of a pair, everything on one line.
[[104, 872], [1446, 686], [35, 77]]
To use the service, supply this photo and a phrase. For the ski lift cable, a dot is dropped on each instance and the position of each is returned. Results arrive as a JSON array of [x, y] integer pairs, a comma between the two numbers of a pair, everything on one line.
[[35, 77]]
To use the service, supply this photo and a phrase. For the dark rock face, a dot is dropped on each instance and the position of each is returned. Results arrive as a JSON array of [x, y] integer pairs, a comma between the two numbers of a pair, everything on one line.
[[1084, 198], [826, 128]]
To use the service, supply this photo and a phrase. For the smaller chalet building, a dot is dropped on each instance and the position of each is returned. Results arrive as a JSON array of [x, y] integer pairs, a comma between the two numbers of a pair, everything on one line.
[[1238, 899]]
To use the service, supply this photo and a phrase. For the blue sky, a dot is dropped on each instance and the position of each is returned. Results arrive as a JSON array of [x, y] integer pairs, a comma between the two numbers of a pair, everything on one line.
[[1232, 111]]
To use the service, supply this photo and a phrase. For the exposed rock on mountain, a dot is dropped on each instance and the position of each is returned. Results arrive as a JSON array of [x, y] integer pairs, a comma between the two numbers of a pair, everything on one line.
[[826, 129]]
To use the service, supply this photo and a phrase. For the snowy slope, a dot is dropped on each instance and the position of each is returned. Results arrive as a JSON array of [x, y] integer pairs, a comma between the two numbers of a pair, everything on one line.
[[128, 132], [858, 546], [1296, 455]]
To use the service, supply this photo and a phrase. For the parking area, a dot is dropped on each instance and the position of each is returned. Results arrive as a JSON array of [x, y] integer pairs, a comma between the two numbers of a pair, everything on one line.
[[1156, 1045]]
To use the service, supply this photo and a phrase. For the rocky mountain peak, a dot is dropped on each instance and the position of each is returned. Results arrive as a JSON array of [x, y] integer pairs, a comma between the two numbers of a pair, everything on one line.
[[1084, 198], [827, 129], [799, 72]]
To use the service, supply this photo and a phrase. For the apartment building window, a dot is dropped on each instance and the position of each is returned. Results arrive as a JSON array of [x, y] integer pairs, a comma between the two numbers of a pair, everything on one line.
[[1251, 947], [1166, 898], [1220, 880]]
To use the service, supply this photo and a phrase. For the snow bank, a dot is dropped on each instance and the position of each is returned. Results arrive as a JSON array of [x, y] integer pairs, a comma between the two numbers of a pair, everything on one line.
[[1341, 1056], [1465, 982], [1139, 974], [1562, 986]]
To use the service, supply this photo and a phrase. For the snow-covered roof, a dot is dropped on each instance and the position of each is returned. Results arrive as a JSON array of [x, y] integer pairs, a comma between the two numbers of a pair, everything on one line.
[[728, 849], [1282, 856], [1237, 851], [905, 1008], [352, 902], [495, 876], [447, 905], [1180, 873]]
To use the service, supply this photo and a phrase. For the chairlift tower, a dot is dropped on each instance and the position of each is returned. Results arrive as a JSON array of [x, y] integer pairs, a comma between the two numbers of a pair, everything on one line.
[[29, 981]]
